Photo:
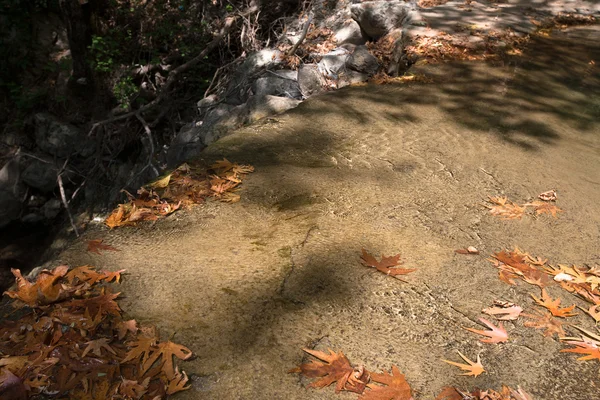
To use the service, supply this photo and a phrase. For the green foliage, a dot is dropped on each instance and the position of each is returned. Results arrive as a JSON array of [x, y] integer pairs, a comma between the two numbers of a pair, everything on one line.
[[123, 90], [103, 53]]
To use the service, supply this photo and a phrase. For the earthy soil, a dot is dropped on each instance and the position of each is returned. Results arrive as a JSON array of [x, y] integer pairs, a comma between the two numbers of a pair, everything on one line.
[[392, 169]]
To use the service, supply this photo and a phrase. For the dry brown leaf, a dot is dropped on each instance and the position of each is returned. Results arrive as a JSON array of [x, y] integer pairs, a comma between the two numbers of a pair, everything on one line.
[[332, 367], [546, 322], [132, 389], [541, 207], [164, 354], [593, 312], [472, 368], [504, 208], [504, 313], [96, 346], [554, 305], [396, 387], [497, 334], [386, 265], [588, 348], [125, 327], [177, 384], [45, 290]]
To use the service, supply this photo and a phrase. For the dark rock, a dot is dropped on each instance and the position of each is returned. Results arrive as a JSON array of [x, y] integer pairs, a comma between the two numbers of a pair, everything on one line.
[[60, 139], [239, 87], [51, 208], [40, 175], [363, 61], [310, 80], [10, 207], [283, 83]]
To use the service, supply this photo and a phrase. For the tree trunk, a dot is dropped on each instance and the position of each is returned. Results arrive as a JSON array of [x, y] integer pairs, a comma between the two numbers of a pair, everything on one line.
[[79, 33]]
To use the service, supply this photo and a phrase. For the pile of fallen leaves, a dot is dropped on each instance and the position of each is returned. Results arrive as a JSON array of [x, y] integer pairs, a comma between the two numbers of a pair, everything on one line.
[[335, 368], [445, 47], [71, 342], [187, 185], [504, 208], [581, 281]]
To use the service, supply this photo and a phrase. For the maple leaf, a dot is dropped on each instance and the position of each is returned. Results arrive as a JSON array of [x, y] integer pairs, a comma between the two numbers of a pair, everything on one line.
[[167, 350], [472, 368], [161, 182], [385, 265], [124, 327], [133, 389], [550, 195], [541, 207], [544, 320], [554, 305], [96, 346], [450, 393], [94, 246], [224, 165], [44, 291], [396, 387], [140, 349], [586, 347], [504, 313], [497, 334], [504, 208], [335, 367], [177, 384], [84, 274], [593, 312], [116, 218]]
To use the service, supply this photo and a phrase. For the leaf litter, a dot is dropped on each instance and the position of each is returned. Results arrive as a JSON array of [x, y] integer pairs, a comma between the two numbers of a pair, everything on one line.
[[506, 209], [70, 340], [189, 184]]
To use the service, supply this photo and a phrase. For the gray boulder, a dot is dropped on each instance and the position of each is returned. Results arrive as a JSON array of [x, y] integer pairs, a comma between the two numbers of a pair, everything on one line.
[[10, 176], [191, 139], [40, 175], [363, 61], [334, 62], [350, 33], [57, 138], [282, 83], [238, 89], [310, 80], [351, 77], [377, 18], [51, 208]]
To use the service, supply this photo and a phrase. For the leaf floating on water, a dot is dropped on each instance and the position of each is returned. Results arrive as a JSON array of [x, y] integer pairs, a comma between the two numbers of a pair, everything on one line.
[[332, 367], [96, 245], [396, 387], [386, 265], [472, 368], [545, 321], [496, 334], [554, 305], [504, 311], [504, 208]]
